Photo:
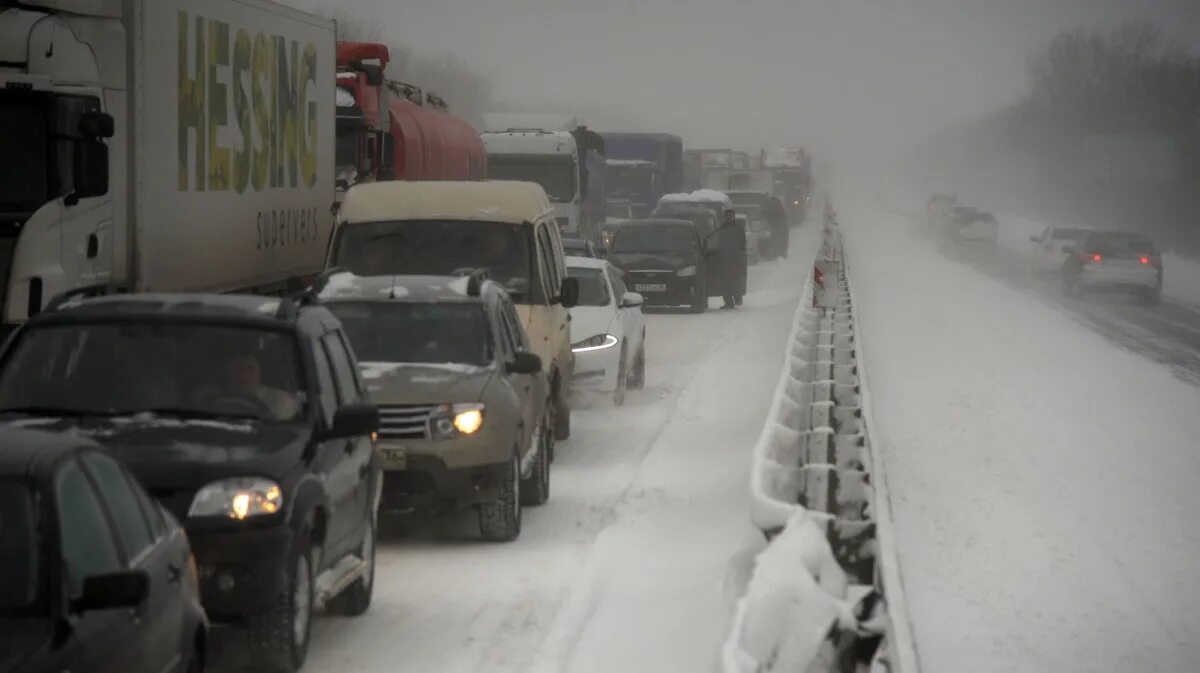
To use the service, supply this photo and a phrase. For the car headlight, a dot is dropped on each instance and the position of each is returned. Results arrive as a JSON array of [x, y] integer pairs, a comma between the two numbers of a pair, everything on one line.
[[596, 343], [686, 272], [239, 498], [450, 421]]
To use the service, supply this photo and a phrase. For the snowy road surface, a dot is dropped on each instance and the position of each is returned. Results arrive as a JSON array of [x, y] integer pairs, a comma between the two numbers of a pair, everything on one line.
[[1043, 480], [647, 521]]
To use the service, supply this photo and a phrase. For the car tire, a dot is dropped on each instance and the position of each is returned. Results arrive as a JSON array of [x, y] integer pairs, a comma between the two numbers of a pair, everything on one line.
[[356, 598], [700, 302], [500, 520], [279, 637], [638, 380], [622, 378], [562, 413], [535, 490]]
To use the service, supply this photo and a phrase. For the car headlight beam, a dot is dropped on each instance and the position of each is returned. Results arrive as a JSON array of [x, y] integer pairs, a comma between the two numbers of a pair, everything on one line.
[[596, 343], [240, 498], [450, 421]]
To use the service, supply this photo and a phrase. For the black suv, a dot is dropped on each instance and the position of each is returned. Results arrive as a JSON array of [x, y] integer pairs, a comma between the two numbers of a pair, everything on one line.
[[246, 417]]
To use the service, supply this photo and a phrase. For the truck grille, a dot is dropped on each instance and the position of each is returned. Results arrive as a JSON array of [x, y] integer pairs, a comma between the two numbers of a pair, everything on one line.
[[404, 421]]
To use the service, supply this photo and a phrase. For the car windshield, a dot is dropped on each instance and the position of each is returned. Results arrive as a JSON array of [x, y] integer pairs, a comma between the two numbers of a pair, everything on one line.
[[556, 174], [654, 239], [437, 248], [704, 222], [593, 289], [1068, 234], [618, 211], [25, 171], [22, 580], [630, 179], [428, 333], [1115, 243], [123, 368]]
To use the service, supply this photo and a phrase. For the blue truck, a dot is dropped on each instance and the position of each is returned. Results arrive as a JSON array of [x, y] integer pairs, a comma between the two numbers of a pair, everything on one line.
[[642, 167]]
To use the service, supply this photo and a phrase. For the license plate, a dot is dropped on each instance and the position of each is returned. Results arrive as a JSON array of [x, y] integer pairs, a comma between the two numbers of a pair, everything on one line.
[[650, 287], [394, 459]]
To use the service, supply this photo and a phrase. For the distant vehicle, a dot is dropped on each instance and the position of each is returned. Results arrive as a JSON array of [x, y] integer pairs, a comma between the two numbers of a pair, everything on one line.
[[940, 208], [579, 247], [97, 577], [658, 154], [715, 201], [776, 219], [1051, 249], [705, 221], [1114, 260], [665, 261], [792, 173], [972, 225], [246, 417], [608, 330], [568, 163], [445, 228], [464, 405]]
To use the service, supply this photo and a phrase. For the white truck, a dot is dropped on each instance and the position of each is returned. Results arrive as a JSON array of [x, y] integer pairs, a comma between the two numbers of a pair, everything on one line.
[[162, 145], [559, 154]]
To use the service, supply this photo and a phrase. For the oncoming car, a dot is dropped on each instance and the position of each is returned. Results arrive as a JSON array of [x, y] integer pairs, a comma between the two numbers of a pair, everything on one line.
[[1114, 260], [464, 406], [608, 330]]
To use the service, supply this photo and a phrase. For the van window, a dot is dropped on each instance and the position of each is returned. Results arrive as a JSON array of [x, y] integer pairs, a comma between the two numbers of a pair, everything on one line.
[[546, 249]]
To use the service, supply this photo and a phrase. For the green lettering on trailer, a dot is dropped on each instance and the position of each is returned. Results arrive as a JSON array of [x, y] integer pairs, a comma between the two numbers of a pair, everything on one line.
[[191, 102], [218, 106], [242, 50]]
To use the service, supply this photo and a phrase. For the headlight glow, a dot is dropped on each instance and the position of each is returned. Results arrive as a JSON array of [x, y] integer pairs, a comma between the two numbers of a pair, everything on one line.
[[240, 498], [686, 272], [596, 343], [450, 421]]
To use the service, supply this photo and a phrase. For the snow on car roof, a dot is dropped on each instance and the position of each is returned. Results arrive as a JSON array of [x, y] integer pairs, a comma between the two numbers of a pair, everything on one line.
[[698, 196], [585, 262]]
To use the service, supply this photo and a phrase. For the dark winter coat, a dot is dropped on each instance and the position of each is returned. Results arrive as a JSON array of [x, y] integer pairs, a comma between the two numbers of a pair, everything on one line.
[[731, 259]]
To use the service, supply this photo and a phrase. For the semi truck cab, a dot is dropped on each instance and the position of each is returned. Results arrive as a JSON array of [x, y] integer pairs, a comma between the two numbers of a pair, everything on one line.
[[62, 98]]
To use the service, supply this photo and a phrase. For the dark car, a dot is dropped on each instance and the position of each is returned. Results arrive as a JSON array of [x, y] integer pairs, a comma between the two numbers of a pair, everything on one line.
[[247, 418], [464, 404], [94, 574], [665, 261], [579, 247], [701, 216]]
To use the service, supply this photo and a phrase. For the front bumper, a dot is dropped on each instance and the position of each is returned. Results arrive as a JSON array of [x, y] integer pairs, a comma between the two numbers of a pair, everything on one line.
[[241, 571], [662, 288], [428, 485], [597, 370]]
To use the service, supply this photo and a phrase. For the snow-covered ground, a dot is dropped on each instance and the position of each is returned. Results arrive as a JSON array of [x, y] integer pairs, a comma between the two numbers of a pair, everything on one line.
[[1043, 480], [636, 561], [1181, 278]]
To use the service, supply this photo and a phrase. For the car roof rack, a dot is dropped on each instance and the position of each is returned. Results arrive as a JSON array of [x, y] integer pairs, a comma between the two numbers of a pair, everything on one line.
[[57, 301]]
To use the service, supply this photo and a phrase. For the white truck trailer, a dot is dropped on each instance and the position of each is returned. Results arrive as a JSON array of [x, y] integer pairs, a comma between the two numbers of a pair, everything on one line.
[[162, 145]]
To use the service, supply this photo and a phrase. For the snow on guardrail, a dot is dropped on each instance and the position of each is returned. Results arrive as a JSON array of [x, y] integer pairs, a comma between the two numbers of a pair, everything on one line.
[[825, 594]]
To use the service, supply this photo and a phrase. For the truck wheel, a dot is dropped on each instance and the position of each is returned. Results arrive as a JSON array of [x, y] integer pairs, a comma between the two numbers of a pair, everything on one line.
[[279, 638], [638, 380], [500, 520], [536, 489], [622, 379], [356, 598]]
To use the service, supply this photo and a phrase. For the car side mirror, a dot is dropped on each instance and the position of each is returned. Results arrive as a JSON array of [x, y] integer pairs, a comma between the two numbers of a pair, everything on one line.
[[568, 294], [524, 363], [632, 300], [127, 589], [354, 420], [96, 125], [90, 171]]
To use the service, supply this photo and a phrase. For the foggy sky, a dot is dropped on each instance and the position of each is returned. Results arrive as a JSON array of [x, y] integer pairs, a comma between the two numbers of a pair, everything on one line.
[[842, 76]]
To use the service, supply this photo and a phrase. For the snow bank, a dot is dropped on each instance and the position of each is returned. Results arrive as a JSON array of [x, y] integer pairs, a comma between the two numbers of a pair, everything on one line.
[[1042, 481]]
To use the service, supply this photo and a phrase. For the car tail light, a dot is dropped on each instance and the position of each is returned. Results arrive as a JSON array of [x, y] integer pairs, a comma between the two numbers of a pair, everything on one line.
[[1094, 257], [1152, 260]]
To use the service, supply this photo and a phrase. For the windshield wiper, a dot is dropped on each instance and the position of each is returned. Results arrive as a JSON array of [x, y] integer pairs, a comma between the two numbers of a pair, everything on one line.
[[56, 411], [186, 414]]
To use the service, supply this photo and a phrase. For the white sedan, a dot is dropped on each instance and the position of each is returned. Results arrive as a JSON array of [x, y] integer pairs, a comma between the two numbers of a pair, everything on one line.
[[1052, 248], [608, 330]]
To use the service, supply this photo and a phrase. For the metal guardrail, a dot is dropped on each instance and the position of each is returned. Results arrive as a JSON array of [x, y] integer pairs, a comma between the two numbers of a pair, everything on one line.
[[815, 471]]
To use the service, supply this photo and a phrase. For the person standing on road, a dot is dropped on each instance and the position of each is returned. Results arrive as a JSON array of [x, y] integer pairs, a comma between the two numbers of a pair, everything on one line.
[[731, 258]]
